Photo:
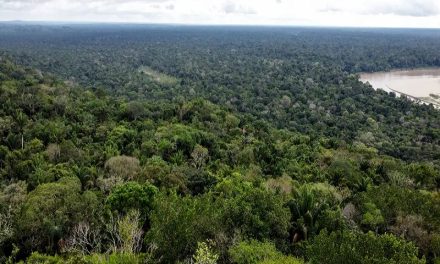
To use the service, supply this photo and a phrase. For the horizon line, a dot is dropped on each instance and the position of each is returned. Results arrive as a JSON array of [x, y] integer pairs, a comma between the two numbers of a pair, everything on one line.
[[76, 22]]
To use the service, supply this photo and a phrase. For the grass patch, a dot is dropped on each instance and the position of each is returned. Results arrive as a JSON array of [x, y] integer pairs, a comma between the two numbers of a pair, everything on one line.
[[159, 77]]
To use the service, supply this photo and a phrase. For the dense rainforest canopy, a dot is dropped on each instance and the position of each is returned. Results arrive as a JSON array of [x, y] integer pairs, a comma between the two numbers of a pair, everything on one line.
[[174, 144]]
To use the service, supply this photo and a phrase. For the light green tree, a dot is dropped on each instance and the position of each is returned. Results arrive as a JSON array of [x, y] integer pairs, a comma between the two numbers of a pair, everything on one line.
[[204, 254]]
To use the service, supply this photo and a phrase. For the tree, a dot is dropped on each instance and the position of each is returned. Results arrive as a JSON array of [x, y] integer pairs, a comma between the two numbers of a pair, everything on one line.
[[119, 169], [83, 239], [199, 156], [353, 248], [435, 245], [255, 252], [134, 110], [372, 217], [51, 209], [252, 210], [306, 209], [177, 223], [424, 174], [21, 120], [123, 167], [130, 232], [53, 152], [12, 198], [132, 196], [411, 228], [6, 228], [204, 254]]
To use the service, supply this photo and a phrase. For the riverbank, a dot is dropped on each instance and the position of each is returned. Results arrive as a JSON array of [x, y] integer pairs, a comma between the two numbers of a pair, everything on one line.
[[421, 85]]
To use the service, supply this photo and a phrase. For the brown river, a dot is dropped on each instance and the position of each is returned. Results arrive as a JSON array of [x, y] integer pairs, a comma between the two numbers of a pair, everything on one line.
[[423, 84]]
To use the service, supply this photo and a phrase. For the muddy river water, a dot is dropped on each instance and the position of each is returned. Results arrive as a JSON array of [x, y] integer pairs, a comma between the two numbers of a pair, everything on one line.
[[423, 84]]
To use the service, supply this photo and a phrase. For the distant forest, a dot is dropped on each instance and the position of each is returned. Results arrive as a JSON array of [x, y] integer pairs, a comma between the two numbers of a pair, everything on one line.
[[184, 144]]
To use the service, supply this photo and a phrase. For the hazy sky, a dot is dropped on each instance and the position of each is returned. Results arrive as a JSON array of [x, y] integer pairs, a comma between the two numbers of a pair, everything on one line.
[[370, 13]]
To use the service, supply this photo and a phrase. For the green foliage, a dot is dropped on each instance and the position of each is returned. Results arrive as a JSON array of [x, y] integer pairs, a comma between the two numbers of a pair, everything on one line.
[[177, 137], [372, 216], [51, 209], [252, 210], [299, 79], [394, 200], [204, 254], [123, 167], [435, 245], [282, 260], [310, 208], [344, 173], [130, 196], [114, 258], [255, 252], [129, 232], [348, 247], [199, 156], [37, 258], [177, 223], [424, 174], [161, 136]]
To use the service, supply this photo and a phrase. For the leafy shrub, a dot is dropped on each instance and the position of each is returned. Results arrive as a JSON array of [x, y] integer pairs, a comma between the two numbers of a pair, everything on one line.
[[361, 248], [255, 252]]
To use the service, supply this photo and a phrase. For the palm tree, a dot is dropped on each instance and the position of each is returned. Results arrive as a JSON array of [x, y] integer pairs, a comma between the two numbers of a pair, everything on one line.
[[305, 209]]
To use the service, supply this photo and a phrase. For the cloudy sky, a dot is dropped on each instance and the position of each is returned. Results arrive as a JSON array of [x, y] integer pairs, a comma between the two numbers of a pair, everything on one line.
[[364, 13]]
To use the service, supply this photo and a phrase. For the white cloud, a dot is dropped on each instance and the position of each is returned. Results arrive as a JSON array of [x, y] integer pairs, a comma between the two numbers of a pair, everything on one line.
[[416, 8], [230, 7], [411, 8], [384, 13]]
